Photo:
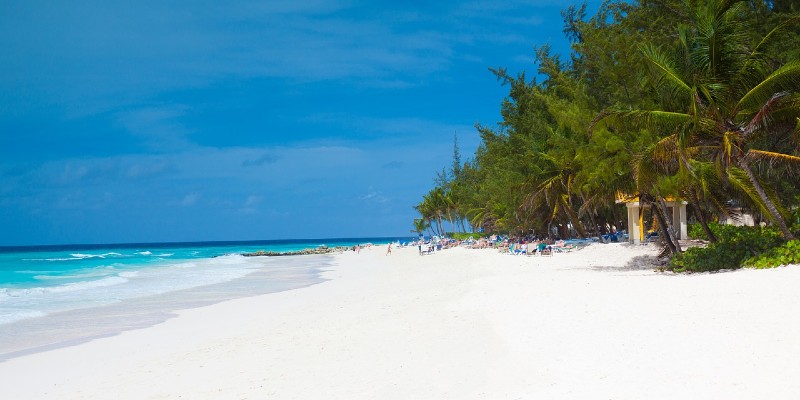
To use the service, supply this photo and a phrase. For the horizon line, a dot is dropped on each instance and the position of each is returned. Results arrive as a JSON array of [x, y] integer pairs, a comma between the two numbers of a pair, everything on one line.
[[8, 248]]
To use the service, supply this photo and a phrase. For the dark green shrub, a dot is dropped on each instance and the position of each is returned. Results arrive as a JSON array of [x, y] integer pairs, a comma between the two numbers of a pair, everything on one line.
[[789, 253], [721, 231], [736, 244], [696, 232]]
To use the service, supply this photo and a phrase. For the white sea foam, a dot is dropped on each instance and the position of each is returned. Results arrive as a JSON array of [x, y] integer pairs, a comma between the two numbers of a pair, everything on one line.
[[104, 255], [107, 285], [35, 272], [80, 256], [144, 253], [8, 316], [96, 273], [68, 287]]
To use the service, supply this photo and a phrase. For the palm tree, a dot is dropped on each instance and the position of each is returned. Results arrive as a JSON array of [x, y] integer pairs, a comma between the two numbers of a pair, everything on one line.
[[421, 225], [553, 193], [724, 100]]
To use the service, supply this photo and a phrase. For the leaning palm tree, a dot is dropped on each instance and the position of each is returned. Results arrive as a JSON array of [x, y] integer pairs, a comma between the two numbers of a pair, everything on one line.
[[722, 98], [653, 175], [553, 194]]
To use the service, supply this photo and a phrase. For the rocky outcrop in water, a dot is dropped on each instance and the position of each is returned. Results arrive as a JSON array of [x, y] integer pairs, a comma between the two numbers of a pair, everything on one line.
[[316, 250]]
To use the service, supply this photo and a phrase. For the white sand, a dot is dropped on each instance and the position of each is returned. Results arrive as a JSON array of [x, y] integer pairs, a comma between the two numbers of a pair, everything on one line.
[[462, 324]]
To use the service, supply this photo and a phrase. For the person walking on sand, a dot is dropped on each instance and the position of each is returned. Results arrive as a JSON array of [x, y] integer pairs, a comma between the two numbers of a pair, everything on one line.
[[389, 249]]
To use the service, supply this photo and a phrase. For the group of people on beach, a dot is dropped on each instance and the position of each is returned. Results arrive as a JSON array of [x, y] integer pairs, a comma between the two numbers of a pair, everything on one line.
[[541, 247], [515, 246]]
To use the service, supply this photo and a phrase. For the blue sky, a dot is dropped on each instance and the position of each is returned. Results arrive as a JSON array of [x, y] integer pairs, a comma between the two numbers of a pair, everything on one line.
[[178, 121]]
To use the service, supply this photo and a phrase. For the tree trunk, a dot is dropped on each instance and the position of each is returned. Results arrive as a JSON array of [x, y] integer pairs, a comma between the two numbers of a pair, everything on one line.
[[599, 232], [573, 218], [461, 223], [701, 217], [663, 225], [669, 227], [776, 216]]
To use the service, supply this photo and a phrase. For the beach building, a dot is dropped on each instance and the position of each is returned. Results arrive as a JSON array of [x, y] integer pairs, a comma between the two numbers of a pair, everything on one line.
[[636, 217], [738, 217]]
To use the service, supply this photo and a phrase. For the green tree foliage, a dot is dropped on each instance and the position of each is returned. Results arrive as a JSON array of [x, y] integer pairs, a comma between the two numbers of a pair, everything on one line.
[[721, 100], [659, 98]]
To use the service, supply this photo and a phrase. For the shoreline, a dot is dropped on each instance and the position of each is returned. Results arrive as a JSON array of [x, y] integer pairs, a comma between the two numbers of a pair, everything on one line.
[[459, 324], [81, 325]]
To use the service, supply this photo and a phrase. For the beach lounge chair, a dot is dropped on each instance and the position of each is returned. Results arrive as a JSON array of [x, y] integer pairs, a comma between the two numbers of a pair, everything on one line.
[[544, 249]]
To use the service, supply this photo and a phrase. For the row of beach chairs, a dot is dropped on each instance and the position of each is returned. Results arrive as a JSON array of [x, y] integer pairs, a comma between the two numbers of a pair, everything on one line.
[[541, 250]]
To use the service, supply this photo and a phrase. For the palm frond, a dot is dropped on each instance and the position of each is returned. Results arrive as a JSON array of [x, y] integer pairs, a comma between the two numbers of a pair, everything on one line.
[[656, 120], [768, 38], [784, 79], [666, 152], [665, 69], [731, 146], [645, 173], [721, 7], [738, 178], [774, 158], [760, 119]]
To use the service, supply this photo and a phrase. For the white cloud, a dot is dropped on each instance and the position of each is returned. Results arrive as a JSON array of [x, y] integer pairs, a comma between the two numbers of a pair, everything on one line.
[[374, 197], [190, 199], [158, 126], [251, 205], [72, 172]]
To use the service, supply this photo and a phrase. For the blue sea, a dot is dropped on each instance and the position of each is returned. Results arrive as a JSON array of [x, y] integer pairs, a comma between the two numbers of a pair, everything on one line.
[[75, 292]]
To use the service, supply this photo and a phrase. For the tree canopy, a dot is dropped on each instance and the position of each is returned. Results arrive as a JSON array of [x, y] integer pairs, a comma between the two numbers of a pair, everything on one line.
[[698, 100]]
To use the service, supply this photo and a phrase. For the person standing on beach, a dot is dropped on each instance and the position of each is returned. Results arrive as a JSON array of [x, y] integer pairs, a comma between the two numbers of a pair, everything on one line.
[[389, 249]]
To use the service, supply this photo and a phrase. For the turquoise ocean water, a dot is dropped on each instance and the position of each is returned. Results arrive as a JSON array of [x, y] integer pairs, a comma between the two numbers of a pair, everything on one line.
[[53, 295], [39, 280]]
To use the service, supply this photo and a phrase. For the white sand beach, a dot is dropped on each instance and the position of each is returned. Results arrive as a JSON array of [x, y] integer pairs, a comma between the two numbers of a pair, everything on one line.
[[460, 324]]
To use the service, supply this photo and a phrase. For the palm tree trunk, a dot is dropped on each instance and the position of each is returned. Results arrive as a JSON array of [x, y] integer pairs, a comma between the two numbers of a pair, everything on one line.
[[694, 200], [662, 223], [573, 218], [594, 226], [461, 223], [669, 227], [776, 216]]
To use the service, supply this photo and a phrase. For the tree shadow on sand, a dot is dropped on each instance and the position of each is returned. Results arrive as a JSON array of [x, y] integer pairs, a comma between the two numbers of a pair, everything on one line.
[[637, 263]]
